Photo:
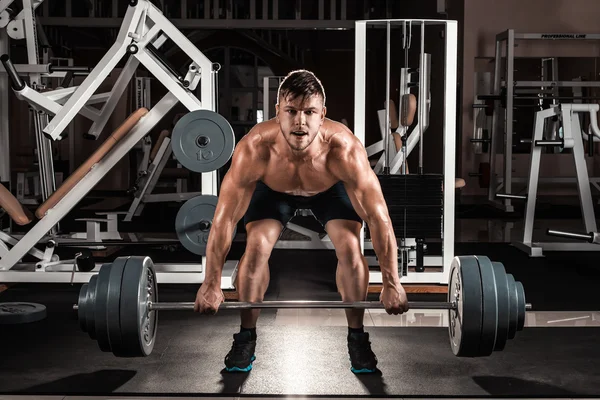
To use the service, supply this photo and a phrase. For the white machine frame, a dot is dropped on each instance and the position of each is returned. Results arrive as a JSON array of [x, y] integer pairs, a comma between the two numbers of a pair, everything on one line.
[[449, 128], [142, 25], [504, 77], [573, 139]]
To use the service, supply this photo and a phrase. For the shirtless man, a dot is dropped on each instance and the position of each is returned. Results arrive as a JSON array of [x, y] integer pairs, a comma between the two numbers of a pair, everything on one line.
[[300, 159]]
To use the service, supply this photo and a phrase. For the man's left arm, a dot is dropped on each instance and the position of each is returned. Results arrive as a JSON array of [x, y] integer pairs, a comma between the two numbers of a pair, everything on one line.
[[352, 167]]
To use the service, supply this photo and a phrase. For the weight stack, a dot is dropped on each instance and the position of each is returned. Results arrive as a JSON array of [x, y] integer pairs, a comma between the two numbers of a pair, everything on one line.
[[415, 204]]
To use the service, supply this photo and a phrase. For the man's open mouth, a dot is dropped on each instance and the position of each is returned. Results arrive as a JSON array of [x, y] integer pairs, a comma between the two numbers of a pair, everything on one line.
[[299, 133]]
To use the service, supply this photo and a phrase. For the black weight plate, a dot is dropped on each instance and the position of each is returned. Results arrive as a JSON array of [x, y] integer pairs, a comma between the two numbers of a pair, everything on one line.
[[191, 130], [81, 307], [465, 322], [490, 307], [514, 306], [188, 222], [522, 305], [138, 324], [100, 310], [18, 312], [502, 294], [113, 304], [90, 306]]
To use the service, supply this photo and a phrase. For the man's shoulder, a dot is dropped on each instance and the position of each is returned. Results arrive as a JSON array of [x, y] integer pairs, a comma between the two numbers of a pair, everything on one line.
[[341, 138]]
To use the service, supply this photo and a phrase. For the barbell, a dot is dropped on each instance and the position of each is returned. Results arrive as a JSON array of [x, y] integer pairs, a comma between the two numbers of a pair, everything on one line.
[[118, 306]]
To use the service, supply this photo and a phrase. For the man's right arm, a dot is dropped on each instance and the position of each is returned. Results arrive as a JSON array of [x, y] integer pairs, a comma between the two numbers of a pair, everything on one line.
[[234, 197]]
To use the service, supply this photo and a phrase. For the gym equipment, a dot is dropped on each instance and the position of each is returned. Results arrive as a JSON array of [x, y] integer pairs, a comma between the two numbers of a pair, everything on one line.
[[505, 87], [592, 237], [193, 223], [119, 306], [570, 117], [143, 24], [414, 79], [21, 313], [203, 141]]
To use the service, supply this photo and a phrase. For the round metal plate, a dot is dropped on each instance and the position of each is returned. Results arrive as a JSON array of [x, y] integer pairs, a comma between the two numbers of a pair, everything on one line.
[[21, 313], [81, 307], [490, 307], [514, 306], [90, 306], [465, 322], [503, 299], [188, 223], [203, 141], [521, 308], [100, 308], [138, 324], [113, 303]]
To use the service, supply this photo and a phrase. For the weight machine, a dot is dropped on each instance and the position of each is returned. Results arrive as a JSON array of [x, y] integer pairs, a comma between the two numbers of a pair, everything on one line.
[[568, 115], [438, 214], [143, 31], [506, 91]]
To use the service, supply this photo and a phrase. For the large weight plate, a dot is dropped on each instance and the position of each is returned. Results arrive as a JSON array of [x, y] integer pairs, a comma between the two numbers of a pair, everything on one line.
[[490, 307], [21, 313], [113, 304], [203, 141], [100, 307], [82, 307], [465, 322], [138, 324], [90, 302], [514, 306], [522, 305], [193, 221], [503, 299]]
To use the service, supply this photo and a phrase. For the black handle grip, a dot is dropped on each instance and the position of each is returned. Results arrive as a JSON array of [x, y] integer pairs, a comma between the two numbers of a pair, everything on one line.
[[15, 80]]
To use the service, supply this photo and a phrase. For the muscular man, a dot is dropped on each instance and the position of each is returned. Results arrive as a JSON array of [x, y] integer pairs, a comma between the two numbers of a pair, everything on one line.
[[300, 159]]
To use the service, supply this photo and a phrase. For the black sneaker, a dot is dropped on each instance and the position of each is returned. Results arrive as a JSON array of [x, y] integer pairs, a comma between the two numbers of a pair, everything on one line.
[[362, 358], [241, 355]]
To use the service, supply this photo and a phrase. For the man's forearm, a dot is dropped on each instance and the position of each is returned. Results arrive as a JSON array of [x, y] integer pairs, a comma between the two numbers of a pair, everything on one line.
[[218, 247], [386, 249]]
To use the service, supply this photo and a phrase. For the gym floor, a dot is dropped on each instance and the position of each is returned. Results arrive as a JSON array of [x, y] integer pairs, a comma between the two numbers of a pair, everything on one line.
[[302, 353]]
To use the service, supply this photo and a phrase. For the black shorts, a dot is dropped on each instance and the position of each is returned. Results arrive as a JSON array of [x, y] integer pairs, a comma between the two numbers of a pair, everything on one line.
[[333, 203]]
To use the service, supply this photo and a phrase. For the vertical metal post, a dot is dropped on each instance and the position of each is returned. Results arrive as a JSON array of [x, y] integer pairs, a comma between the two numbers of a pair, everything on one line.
[[450, 79], [422, 95], [321, 10], [495, 134], [4, 115], [206, 9], [387, 133], [510, 69], [360, 67]]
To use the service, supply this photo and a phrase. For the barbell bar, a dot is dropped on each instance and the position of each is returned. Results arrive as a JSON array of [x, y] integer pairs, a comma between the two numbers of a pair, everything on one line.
[[119, 306], [413, 305]]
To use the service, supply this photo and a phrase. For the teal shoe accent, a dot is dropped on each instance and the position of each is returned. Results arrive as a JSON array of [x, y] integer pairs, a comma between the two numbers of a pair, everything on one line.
[[246, 369], [362, 371]]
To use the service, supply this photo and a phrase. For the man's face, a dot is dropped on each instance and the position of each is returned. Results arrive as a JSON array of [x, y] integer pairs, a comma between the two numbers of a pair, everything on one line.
[[300, 120]]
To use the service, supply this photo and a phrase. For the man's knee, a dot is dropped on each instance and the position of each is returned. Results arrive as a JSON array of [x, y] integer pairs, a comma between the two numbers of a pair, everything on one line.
[[260, 241], [349, 254]]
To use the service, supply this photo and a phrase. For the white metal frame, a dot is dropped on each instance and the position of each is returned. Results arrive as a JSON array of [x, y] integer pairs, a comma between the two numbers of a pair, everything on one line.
[[141, 26], [573, 139], [504, 68], [449, 128]]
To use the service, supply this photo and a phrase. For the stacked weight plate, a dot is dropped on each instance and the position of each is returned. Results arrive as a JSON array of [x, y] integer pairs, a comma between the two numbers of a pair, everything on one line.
[[113, 307], [490, 306]]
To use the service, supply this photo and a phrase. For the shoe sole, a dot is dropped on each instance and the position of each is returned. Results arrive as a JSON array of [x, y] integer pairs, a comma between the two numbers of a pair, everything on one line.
[[362, 371], [238, 369]]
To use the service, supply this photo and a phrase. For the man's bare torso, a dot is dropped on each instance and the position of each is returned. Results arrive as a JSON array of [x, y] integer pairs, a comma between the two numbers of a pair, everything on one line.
[[283, 171]]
